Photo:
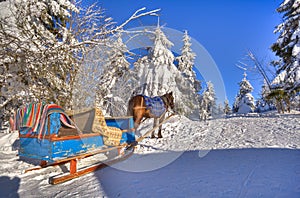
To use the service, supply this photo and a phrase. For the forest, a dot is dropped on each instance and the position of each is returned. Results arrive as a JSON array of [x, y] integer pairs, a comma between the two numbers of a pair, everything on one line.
[[73, 55]]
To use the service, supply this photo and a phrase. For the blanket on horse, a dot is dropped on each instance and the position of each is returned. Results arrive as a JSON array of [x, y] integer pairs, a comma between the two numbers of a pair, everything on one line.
[[155, 105]]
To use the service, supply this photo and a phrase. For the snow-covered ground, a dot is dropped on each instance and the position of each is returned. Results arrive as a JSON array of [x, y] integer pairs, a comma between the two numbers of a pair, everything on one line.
[[241, 156]]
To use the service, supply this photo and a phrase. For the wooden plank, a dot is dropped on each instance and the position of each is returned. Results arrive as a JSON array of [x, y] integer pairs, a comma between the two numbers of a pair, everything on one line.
[[72, 137], [69, 159], [84, 155], [33, 168], [64, 178], [54, 137], [118, 117], [73, 166]]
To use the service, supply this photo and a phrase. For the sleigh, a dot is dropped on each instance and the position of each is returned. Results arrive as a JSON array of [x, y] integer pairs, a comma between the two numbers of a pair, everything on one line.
[[52, 136]]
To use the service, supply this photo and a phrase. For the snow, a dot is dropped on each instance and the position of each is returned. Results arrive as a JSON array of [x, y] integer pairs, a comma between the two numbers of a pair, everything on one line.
[[279, 78], [288, 43], [244, 102], [254, 155], [4, 9]]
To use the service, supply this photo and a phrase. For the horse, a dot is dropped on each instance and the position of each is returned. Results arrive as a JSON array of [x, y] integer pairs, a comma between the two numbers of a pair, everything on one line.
[[137, 108]]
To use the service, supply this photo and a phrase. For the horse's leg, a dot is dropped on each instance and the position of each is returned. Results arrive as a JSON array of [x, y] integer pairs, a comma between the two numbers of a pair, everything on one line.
[[138, 116], [154, 125], [161, 119]]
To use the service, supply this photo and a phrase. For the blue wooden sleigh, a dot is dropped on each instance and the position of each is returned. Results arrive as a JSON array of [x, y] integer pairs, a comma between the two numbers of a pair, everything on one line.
[[67, 137]]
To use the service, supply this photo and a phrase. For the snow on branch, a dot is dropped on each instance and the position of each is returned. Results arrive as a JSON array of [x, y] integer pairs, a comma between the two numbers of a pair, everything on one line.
[[135, 15]]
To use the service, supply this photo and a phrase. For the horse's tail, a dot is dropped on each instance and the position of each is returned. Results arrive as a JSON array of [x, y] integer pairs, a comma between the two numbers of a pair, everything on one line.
[[130, 107]]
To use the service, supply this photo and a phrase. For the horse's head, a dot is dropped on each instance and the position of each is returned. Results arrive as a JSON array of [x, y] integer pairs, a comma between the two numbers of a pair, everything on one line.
[[168, 99]]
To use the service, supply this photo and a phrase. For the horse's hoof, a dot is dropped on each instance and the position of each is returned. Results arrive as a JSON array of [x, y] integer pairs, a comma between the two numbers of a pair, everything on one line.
[[152, 136], [160, 137]]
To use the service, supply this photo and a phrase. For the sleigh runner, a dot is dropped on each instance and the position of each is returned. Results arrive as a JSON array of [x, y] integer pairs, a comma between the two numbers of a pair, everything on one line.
[[49, 134]]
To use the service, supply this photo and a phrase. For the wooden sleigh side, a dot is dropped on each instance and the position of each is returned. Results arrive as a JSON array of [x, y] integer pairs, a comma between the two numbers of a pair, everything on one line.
[[61, 144]]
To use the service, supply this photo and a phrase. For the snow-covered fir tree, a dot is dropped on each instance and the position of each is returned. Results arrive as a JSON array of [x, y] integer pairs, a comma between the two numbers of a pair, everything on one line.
[[287, 46], [156, 70], [100, 80], [33, 59], [244, 101], [186, 61], [42, 46], [187, 57], [204, 101], [227, 109], [220, 110], [113, 71], [35, 53], [264, 103], [185, 66], [157, 75], [208, 105]]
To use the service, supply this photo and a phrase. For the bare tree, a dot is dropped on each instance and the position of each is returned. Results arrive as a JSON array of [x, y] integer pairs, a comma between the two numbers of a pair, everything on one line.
[[43, 45], [276, 94]]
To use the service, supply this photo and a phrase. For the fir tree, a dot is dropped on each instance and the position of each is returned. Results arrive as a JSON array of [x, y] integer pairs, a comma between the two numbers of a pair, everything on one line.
[[227, 109], [105, 67], [265, 104], [287, 46], [152, 70], [43, 44], [208, 105], [244, 101], [212, 105], [157, 75], [34, 61], [113, 72], [187, 58], [185, 66]]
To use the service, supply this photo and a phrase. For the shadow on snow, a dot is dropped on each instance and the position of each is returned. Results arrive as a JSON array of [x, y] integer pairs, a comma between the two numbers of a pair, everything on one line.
[[267, 172], [9, 187]]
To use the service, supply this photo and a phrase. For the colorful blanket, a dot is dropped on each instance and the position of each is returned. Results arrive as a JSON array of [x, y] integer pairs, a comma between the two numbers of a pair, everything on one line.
[[34, 117], [155, 105]]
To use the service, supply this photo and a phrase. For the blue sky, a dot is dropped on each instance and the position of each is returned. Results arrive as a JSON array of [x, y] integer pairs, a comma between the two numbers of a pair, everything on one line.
[[227, 29]]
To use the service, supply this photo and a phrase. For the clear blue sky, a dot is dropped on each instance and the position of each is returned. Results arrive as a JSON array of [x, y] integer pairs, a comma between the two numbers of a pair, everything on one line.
[[227, 29]]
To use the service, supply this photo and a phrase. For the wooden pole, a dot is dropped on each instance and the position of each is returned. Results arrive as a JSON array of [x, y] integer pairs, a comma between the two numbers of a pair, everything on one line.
[[73, 166]]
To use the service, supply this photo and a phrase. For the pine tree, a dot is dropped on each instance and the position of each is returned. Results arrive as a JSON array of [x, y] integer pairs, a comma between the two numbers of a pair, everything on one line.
[[208, 105], [187, 58], [43, 44], [156, 71], [185, 66], [34, 41], [204, 103], [244, 101], [265, 104], [287, 45], [113, 72], [157, 75], [151, 70], [98, 81], [227, 109], [35, 65], [212, 105]]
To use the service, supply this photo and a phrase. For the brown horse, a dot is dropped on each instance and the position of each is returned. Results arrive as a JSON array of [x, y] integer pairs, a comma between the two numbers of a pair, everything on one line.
[[138, 109]]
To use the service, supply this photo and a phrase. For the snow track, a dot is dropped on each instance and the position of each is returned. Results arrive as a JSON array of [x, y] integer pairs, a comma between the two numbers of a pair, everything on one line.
[[240, 156]]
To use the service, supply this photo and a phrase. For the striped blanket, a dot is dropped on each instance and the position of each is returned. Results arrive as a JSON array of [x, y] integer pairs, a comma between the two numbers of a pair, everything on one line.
[[34, 117], [155, 105]]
